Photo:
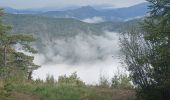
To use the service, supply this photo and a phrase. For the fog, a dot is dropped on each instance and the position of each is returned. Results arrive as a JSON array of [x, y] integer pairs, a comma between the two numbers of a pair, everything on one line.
[[88, 55], [93, 20]]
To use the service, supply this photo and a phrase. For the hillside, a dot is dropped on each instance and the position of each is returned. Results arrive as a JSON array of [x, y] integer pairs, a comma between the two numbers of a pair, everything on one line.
[[58, 27], [38, 25]]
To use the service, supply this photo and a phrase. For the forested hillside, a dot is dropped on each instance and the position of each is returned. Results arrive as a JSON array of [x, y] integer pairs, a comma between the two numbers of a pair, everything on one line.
[[58, 27], [47, 30]]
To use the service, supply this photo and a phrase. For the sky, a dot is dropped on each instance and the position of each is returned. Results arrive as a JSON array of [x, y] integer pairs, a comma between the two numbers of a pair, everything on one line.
[[24, 4]]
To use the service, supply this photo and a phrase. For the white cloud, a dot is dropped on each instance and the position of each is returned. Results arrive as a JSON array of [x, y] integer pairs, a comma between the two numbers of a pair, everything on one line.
[[88, 55], [89, 73], [137, 17], [93, 20]]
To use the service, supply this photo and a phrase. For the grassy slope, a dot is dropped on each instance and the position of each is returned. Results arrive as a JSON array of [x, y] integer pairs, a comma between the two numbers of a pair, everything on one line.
[[44, 91], [68, 92]]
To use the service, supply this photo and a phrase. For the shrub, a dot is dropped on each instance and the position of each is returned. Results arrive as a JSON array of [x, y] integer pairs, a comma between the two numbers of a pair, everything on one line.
[[121, 81], [50, 79], [104, 82], [73, 79]]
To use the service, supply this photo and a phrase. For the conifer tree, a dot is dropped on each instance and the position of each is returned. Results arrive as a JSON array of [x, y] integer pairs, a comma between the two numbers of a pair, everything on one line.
[[13, 61]]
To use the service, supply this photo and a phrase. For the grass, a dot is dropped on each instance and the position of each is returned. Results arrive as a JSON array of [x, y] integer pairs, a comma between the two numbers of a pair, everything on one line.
[[44, 91], [66, 88]]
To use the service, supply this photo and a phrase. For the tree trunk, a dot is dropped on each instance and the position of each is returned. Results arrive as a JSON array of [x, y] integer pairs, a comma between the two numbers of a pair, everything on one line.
[[5, 56], [30, 75]]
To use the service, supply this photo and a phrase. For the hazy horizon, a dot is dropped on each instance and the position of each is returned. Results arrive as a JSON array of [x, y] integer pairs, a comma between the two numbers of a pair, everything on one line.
[[31, 4]]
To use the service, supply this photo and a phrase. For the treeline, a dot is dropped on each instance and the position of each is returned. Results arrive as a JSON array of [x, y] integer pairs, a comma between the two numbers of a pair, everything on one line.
[[118, 81], [147, 53]]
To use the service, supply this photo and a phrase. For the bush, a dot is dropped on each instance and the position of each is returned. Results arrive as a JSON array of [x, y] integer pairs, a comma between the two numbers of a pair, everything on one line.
[[5, 89], [104, 82], [121, 81], [50, 79], [73, 79]]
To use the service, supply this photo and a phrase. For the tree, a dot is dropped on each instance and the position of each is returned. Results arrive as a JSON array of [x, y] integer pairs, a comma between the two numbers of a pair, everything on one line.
[[147, 53], [157, 34], [104, 81], [13, 61], [72, 79], [135, 50], [121, 81]]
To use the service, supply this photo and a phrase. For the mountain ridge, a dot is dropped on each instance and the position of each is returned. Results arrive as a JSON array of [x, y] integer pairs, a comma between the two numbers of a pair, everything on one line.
[[85, 12]]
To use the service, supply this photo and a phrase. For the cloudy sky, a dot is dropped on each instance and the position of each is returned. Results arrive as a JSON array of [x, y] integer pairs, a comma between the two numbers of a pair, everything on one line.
[[64, 3]]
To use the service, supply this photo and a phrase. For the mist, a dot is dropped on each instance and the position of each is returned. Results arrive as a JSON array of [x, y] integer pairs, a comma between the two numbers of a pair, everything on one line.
[[93, 20], [89, 55]]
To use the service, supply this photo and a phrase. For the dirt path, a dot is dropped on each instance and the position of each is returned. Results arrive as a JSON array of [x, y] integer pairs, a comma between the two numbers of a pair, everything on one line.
[[25, 96]]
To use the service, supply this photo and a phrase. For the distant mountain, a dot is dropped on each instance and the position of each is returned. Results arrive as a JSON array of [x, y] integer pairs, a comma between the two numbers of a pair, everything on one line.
[[83, 13], [38, 10], [135, 11], [88, 12], [10, 10], [79, 13], [22, 11]]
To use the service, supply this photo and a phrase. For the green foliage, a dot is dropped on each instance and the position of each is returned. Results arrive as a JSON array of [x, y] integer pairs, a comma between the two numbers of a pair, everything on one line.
[[50, 79], [157, 33], [72, 79], [8, 89], [12, 62], [71, 92], [121, 82], [104, 82], [135, 50], [147, 53], [50, 90], [115, 82]]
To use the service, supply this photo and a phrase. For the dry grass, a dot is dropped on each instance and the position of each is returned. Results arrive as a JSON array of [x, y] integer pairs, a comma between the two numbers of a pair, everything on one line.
[[24, 96], [117, 94]]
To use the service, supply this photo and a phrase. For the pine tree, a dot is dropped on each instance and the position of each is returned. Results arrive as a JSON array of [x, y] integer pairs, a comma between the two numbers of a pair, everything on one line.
[[13, 61]]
